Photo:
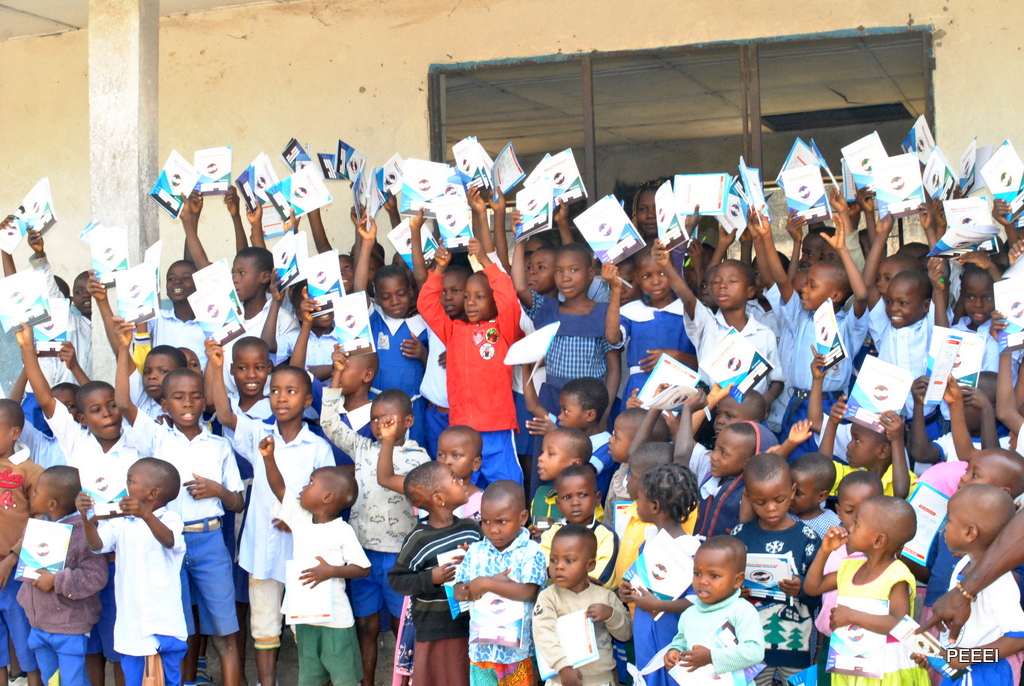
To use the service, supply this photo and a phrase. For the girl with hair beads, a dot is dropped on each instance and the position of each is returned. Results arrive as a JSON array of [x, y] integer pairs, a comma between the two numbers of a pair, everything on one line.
[[665, 498], [881, 526]]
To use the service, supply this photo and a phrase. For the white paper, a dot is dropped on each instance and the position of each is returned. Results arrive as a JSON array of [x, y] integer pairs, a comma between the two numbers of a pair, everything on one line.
[[609, 231], [106, 482], [43, 546], [323, 279], [967, 211], [264, 177], [706, 190], [880, 387], [1003, 172], [920, 140], [109, 248], [827, 341], [36, 211], [861, 157], [49, 337], [1009, 301], [393, 174], [671, 226], [898, 189], [667, 370], [507, 171], [564, 175], [930, 509], [578, 640], [305, 604], [214, 167], [454, 221], [536, 205], [942, 355], [216, 313], [289, 255], [736, 361], [472, 162], [137, 300], [764, 571], [805, 192], [23, 299], [969, 357], [938, 175], [352, 324], [401, 238], [532, 348], [422, 183]]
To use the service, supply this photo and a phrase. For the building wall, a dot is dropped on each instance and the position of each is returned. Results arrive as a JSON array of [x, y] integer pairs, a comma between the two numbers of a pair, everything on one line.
[[253, 77]]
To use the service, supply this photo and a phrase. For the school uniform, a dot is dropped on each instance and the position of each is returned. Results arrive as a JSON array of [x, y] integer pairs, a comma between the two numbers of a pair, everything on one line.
[[148, 574], [167, 329], [207, 560], [79, 332], [45, 449], [601, 460], [18, 476], [142, 400], [264, 549], [647, 328], [286, 322], [719, 509], [396, 370], [707, 329], [319, 349], [906, 347], [434, 389]]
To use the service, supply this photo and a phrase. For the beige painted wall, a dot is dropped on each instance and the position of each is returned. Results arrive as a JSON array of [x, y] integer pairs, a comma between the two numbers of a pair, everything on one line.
[[357, 69]]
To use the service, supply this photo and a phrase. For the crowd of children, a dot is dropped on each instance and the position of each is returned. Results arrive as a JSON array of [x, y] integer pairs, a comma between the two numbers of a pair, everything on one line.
[[443, 495]]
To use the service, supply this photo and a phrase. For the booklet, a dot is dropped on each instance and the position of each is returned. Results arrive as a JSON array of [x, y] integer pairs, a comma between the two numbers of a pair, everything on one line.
[[1009, 300], [967, 212], [564, 175], [300, 193], [401, 239], [880, 387], [1003, 174], [423, 183], [722, 637], [709, 191], [454, 221], [137, 293], [472, 163], [929, 505], [456, 607], [919, 140], [506, 171], [925, 644], [49, 337], [853, 649], [734, 218], [289, 256], [736, 361], [497, 620], [805, 192], [849, 187], [175, 183], [106, 482], [36, 211], [969, 357], [294, 154], [861, 158], [11, 233], [938, 176], [350, 161], [665, 566], [898, 188], [671, 227], [609, 231], [352, 324], [393, 174], [578, 640], [323, 279], [751, 178], [23, 298], [823, 164], [961, 239], [800, 155], [667, 370], [44, 546], [218, 276], [216, 314], [263, 177], [968, 167], [827, 341], [328, 164], [214, 167], [109, 247], [764, 572], [535, 204], [942, 354], [304, 603]]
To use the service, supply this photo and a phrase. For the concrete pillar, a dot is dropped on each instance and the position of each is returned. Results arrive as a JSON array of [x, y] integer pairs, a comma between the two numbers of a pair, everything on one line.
[[123, 165]]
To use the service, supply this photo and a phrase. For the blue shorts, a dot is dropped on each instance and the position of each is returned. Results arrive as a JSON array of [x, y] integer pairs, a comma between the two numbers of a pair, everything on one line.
[[524, 442], [373, 593], [172, 652], [101, 638], [436, 423], [206, 567], [15, 627], [498, 459], [60, 651]]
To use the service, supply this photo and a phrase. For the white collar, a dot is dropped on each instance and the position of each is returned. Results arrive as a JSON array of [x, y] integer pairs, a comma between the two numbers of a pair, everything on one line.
[[639, 311], [415, 323], [710, 487], [357, 418], [21, 453], [599, 440]]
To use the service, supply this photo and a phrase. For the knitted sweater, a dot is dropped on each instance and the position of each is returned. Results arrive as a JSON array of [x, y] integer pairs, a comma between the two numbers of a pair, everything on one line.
[[698, 622]]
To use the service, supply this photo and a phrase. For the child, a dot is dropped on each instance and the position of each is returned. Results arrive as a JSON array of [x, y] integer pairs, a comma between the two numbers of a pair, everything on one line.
[[826, 280], [178, 326], [665, 498], [476, 352], [264, 548], [19, 479], [572, 561], [316, 329], [381, 519], [881, 453], [215, 487], [355, 383], [632, 531], [562, 447], [718, 569], [149, 547], [769, 490], [972, 410], [626, 425], [978, 300], [881, 526], [813, 476], [652, 326], [855, 488], [578, 498], [328, 651], [722, 491], [400, 336], [976, 514], [62, 607], [441, 653], [146, 389], [508, 564], [727, 412]]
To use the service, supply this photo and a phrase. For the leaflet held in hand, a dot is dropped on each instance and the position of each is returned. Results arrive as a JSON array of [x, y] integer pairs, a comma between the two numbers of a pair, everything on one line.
[[352, 324], [306, 603], [736, 361], [401, 239], [49, 337], [23, 299], [577, 639], [827, 341], [1009, 301], [667, 371], [323, 280], [929, 505], [609, 231], [175, 183], [880, 387], [805, 192], [44, 547], [942, 354], [137, 297], [106, 482], [214, 167]]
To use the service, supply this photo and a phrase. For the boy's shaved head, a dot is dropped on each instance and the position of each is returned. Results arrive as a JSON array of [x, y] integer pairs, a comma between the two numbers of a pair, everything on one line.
[[341, 483], [424, 481], [861, 477], [895, 517], [581, 471], [505, 491], [366, 361], [1002, 468], [164, 476], [833, 273], [765, 468], [733, 547], [587, 539], [469, 434], [11, 413], [248, 343], [650, 455], [576, 442], [903, 262], [918, 279], [633, 417], [64, 484], [989, 508], [820, 468]]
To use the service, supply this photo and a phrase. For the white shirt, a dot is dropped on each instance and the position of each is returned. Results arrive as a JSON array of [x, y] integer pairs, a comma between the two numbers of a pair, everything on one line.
[[147, 582], [45, 450], [945, 445], [80, 446], [254, 327], [264, 549], [700, 462], [318, 349], [434, 386], [79, 333], [381, 518], [167, 329], [147, 405], [598, 441], [334, 541], [706, 330], [996, 612], [206, 455], [906, 347]]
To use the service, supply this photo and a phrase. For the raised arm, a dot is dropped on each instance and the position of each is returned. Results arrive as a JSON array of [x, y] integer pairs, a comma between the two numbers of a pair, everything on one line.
[[841, 218], [725, 240], [189, 217], [795, 225], [767, 255], [481, 227], [125, 368], [518, 272], [500, 238], [30, 361], [367, 231], [874, 258], [815, 404], [612, 323], [419, 261], [386, 477], [675, 281], [921, 447], [1006, 401], [274, 477], [816, 582], [894, 431], [684, 443], [215, 387], [316, 227], [562, 221], [255, 220], [231, 203], [69, 357], [269, 332]]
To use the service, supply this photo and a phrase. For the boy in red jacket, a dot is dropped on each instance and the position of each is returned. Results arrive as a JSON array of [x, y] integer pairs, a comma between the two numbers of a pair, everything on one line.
[[476, 359]]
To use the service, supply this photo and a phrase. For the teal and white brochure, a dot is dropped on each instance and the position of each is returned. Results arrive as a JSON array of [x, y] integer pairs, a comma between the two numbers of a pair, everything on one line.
[[302, 192], [507, 171], [735, 361], [214, 167], [401, 239], [289, 256], [898, 188], [1009, 301], [44, 546], [323, 279], [805, 192], [109, 248], [919, 141], [609, 231], [423, 182], [861, 158], [969, 357], [535, 204], [671, 227], [880, 387], [454, 221], [938, 176], [1004, 176], [137, 293], [708, 191], [352, 324], [472, 163], [49, 337], [36, 211], [349, 160], [106, 482], [216, 314], [23, 298], [175, 183]]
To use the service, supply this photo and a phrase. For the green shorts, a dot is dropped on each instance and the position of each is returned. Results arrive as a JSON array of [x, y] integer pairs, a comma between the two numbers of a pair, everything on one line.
[[328, 654]]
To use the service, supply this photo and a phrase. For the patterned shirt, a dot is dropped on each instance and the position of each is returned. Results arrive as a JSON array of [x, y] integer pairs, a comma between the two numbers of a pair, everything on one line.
[[529, 565], [572, 357]]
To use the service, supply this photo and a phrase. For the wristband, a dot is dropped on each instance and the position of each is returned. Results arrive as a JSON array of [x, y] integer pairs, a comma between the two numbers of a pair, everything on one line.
[[964, 593]]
